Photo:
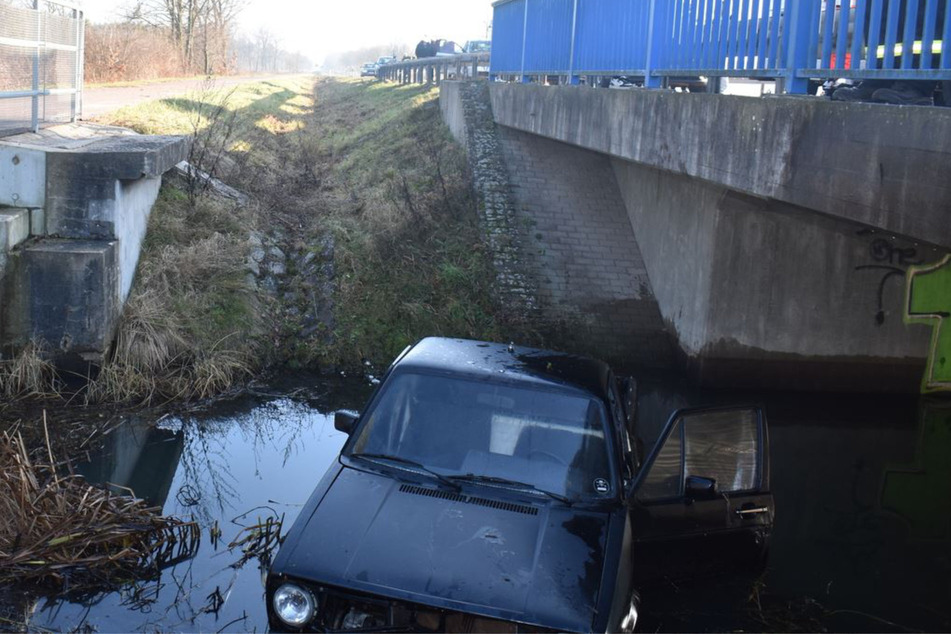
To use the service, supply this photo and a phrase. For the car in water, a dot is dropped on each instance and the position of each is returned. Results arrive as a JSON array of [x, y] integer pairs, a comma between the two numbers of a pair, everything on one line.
[[490, 487]]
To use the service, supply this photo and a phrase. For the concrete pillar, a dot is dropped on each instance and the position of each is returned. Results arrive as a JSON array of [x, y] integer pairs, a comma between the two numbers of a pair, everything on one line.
[[475, 69]]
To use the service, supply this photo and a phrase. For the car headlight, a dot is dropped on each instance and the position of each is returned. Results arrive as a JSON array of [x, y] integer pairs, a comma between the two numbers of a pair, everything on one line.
[[294, 605]]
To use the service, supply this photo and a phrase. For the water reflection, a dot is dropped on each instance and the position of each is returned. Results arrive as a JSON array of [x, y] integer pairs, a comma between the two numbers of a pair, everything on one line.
[[229, 470], [862, 535]]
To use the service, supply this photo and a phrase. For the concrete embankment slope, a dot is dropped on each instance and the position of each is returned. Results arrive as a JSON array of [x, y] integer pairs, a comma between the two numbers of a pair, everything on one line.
[[774, 233]]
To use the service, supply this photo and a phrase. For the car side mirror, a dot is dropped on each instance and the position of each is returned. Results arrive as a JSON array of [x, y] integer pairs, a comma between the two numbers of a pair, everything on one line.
[[700, 488], [345, 421]]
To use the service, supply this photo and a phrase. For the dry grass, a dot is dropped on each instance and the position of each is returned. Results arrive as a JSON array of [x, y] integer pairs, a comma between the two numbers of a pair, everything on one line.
[[28, 375], [59, 530]]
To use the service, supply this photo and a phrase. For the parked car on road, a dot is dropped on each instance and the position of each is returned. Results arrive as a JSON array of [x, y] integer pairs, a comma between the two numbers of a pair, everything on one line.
[[368, 70], [488, 487]]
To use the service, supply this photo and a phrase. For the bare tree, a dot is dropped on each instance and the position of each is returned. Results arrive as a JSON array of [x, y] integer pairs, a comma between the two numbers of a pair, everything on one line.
[[197, 27]]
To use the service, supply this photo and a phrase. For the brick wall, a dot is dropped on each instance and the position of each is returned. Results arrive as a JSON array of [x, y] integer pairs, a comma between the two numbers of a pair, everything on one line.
[[592, 285]]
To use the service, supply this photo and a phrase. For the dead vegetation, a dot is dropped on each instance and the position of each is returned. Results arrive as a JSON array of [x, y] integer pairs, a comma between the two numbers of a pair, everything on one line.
[[58, 531], [28, 375]]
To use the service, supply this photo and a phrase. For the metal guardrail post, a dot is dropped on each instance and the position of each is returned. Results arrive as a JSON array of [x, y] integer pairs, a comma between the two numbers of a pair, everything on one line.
[[798, 53], [572, 78], [522, 76]]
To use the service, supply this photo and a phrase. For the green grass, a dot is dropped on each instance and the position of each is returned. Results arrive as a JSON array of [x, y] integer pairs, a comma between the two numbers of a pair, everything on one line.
[[411, 260], [370, 164]]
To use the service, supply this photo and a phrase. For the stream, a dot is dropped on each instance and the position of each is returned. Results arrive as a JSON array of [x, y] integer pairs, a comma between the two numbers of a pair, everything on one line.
[[862, 540]]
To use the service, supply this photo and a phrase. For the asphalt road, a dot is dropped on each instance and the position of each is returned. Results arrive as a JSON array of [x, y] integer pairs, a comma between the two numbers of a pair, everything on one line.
[[100, 101]]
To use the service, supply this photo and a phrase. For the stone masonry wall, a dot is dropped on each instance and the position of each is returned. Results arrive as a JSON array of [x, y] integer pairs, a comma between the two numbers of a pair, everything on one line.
[[500, 221], [592, 282]]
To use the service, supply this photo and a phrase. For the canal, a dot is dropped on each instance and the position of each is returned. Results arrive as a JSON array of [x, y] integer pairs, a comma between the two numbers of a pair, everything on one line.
[[862, 540]]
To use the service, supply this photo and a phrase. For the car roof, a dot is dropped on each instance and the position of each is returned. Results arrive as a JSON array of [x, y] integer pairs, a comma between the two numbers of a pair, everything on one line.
[[516, 364]]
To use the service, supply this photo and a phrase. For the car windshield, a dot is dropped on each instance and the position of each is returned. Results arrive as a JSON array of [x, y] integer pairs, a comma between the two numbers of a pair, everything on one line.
[[552, 441]]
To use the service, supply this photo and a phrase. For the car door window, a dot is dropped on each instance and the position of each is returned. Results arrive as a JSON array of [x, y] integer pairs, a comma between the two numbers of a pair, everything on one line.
[[721, 445]]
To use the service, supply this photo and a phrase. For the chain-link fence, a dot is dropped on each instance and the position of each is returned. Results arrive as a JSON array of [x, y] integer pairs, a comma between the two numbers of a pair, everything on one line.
[[41, 64]]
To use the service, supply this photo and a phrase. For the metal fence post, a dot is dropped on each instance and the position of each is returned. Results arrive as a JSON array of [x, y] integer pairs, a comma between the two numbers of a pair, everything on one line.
[[656, 40], [572, 78], [35, 116], [78, 57], [797, 54], [522, 76]]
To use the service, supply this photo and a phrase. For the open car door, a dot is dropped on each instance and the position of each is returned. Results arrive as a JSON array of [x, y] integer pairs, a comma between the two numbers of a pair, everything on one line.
[[701, 503]]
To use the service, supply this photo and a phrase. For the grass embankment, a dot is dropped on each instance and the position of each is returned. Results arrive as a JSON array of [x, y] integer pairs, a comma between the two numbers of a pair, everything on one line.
[[410, 258], [369, 164]]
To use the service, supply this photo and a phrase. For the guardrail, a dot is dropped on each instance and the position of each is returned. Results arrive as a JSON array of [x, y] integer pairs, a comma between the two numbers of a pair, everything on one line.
[[792, 41], [41, 65], [436, 69]]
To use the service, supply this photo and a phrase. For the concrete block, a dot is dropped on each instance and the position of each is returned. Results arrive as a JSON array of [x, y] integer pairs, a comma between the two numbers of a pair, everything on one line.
[[14, 228], [72, 295], [22, 176]]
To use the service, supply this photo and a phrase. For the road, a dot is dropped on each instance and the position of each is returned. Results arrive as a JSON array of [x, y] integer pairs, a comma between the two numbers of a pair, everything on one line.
[[100, 101]]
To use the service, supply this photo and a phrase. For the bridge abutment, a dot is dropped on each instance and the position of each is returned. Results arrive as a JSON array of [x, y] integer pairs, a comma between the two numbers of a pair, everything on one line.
[[763, 293], [88, 193], [773, 234]]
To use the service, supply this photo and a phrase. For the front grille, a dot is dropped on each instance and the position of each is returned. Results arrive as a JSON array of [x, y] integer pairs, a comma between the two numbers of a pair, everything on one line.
[[343, 610], [465, 499]]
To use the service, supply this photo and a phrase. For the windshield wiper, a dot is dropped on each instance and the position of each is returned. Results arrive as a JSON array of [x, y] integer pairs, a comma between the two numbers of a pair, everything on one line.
[[410, 463], [487, 479]]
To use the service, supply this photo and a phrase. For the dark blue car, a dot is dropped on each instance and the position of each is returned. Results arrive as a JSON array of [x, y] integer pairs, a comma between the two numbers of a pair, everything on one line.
[[495, 488]]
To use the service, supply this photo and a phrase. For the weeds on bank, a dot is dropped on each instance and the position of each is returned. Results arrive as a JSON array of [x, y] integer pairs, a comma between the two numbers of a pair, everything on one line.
[[188, 329]]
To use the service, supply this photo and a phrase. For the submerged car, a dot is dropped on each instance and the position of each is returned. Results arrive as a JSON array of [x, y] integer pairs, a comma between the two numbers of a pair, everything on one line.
[[496, 488]]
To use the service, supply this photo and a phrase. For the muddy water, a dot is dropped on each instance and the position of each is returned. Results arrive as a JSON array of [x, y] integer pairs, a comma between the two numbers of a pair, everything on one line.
[[862, 538]]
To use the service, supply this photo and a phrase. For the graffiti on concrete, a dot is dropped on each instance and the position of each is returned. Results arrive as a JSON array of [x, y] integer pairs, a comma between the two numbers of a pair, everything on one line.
[[918, 492], [928, 302], [891, 261]]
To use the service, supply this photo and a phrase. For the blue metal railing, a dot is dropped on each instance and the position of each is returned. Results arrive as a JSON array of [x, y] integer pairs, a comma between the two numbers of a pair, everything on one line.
[[792, 40]]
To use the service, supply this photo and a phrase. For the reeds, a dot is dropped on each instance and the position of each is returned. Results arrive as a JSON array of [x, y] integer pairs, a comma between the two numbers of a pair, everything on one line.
[[28, 375], [60, 531]]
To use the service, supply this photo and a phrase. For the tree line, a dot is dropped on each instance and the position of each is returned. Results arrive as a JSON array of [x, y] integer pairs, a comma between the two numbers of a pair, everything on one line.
[[167, 38]]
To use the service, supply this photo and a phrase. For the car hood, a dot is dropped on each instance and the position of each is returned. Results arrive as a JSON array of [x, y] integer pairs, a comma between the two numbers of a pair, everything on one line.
[[470, 552]]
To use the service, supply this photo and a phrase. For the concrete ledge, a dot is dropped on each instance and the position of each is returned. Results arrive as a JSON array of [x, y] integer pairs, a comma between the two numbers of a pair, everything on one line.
[[879, 165]]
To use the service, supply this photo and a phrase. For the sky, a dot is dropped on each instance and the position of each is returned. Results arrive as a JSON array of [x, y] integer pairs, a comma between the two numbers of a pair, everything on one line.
[[319, 27]]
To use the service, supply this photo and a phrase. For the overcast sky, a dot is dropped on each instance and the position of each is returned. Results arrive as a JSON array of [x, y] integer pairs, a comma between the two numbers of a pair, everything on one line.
[[318, 27]]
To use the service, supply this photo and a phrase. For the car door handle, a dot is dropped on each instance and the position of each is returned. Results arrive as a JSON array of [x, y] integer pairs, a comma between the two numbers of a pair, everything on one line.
[[752, 511]]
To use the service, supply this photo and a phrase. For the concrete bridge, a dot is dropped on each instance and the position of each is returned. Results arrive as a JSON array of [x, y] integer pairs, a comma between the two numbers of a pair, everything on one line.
[[766, 239]]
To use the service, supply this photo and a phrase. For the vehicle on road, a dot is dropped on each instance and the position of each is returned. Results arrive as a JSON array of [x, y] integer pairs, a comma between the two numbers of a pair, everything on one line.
[[478, 46], [368, 70], [488, 487]]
